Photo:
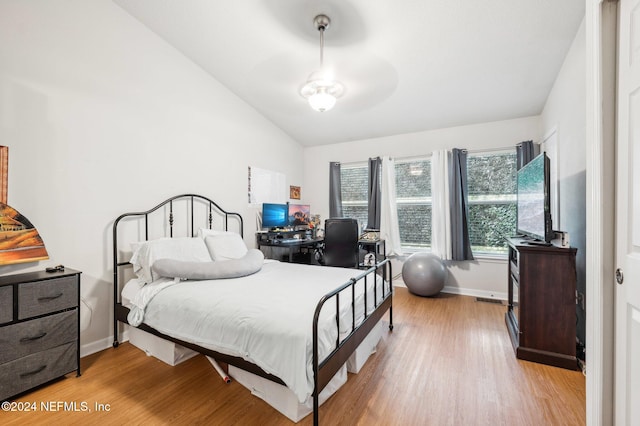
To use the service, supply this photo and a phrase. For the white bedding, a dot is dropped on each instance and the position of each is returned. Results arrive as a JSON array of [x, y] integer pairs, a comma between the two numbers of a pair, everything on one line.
[[265, 318]]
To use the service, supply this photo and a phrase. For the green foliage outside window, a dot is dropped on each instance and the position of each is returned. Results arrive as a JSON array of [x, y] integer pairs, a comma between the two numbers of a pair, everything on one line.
[[413, 199], [491, 179]]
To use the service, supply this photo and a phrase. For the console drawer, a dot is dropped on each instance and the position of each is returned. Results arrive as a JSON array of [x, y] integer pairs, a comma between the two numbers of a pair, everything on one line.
[[18, 340], [41, 297], [6, 304], [24, 373]]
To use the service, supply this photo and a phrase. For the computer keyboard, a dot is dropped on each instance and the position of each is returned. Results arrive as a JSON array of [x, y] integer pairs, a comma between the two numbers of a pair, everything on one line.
[[289, 240]]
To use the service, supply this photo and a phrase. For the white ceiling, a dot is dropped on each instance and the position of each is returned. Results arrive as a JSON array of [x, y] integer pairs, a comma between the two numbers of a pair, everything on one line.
[[407, 65]]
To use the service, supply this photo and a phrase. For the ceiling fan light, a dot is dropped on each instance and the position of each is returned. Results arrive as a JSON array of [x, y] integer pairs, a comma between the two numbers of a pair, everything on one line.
[[321, 90], [322, 101], [322, 94]]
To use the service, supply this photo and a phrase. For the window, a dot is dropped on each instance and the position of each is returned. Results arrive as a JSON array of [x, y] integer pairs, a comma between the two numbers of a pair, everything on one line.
[[492, 200], [413, 198], [355, 183]]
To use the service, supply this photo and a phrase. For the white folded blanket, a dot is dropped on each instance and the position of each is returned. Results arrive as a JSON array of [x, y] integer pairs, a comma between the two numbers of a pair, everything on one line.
[[144, 296]]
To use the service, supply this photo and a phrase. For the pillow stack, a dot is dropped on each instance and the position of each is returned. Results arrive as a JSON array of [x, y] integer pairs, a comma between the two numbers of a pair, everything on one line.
[[182, 249], [212, 255]]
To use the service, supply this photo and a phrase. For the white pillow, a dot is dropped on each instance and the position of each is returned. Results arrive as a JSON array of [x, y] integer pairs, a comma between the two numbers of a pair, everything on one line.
[[205, 232], [226, 246], [183, 248]]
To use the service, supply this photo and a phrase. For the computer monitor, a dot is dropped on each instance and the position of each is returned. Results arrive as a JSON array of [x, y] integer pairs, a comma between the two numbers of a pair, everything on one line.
[[299, 214], [274, 215]]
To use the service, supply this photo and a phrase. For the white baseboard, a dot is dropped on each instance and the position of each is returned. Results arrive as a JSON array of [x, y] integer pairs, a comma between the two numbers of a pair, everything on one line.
[[100, 345], [475, 293], [463, 291]]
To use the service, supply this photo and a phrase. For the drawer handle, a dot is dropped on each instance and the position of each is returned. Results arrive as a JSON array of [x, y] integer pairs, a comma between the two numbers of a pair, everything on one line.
[[48, 298], [34, 372], [31, 339]]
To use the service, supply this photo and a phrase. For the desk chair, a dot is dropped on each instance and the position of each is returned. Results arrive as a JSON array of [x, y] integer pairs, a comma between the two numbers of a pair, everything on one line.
[[340, 243]]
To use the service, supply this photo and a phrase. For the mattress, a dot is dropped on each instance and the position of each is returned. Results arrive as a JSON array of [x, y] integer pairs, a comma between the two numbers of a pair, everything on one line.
[[265, 318]]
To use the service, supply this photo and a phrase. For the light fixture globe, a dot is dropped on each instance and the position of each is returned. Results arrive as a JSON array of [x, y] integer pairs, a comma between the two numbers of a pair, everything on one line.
[[322, 101], [321, 90]]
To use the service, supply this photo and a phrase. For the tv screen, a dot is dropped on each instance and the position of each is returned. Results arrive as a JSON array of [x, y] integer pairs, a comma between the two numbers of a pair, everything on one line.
[[534, 217], [299, 214], [274, 215]]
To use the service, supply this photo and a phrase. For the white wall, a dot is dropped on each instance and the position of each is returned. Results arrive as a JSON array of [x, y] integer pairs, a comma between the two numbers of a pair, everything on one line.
[[564, 113], [483, 277], [102, 117]]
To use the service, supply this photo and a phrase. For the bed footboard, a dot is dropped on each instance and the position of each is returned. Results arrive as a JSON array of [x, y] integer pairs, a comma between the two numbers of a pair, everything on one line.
[[324, 370]]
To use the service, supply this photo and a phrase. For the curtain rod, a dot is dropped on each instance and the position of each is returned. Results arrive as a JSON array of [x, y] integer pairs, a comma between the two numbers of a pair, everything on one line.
[[504, 148], [429, 154]]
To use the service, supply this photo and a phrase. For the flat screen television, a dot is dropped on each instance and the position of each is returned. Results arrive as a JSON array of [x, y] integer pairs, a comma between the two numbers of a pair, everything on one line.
[[299, 214], [534, 210], [274, 215]]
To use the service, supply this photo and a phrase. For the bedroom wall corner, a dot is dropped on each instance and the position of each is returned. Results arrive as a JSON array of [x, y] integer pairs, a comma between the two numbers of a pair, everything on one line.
[[103, 117]]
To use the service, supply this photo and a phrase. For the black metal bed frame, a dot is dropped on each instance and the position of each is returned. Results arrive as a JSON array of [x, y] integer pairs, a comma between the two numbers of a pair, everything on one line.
[[323, 370]]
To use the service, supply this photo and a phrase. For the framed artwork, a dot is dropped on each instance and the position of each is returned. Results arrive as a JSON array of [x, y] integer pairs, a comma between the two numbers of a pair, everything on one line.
[[19, 239], [4, 173], [294, 192]]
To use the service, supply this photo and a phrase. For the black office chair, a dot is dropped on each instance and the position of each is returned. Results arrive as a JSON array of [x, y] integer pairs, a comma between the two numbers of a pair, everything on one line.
[[340, 243]]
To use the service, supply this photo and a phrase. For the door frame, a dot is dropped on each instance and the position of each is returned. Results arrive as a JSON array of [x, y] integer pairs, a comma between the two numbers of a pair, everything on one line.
[[601, 49]]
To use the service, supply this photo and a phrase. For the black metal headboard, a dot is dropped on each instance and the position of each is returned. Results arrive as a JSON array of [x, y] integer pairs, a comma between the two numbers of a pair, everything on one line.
[[208, 210]]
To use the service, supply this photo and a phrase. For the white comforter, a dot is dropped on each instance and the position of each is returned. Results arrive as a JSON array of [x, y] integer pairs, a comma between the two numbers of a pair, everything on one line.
[[265, 318]]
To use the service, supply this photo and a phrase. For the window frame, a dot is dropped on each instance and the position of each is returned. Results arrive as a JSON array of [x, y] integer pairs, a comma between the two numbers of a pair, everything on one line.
[[500, 199], [416, 201], [365, 203]]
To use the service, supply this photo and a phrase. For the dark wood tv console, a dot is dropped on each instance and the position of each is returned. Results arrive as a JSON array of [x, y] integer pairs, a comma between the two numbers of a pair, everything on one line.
[[541, 312]]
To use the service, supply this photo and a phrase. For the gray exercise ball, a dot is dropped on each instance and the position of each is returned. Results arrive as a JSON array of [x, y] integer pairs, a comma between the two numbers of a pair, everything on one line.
[[424, 274]]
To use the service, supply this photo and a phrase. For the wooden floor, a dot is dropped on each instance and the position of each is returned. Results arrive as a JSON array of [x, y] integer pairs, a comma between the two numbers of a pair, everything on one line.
[[448, 361]]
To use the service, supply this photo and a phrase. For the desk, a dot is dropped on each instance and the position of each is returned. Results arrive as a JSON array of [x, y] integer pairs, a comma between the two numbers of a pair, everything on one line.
[[292, 244]]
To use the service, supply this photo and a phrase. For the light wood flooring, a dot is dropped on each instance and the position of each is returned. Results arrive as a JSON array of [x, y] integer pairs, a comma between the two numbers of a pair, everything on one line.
[[448, 361]]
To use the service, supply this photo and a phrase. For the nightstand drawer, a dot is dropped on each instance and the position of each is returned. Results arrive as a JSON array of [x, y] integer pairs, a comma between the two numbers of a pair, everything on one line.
[[41, 297], [21, 339], [33, 370], [6, 304]]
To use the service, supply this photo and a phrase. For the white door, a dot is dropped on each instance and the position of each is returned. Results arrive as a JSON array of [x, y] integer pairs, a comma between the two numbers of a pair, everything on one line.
[[627, 359]]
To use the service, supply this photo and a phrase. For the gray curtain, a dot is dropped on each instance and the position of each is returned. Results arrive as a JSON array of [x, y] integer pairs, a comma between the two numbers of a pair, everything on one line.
[[335, 190], [524, 153], [375, 169], [458, 196]]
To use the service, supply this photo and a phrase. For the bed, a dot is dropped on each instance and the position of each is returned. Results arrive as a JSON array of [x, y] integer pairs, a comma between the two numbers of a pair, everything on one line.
[[294, 325]]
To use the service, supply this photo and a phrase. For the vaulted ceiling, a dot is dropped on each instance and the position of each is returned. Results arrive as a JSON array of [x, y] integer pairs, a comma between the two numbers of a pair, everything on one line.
[[407, 66]]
